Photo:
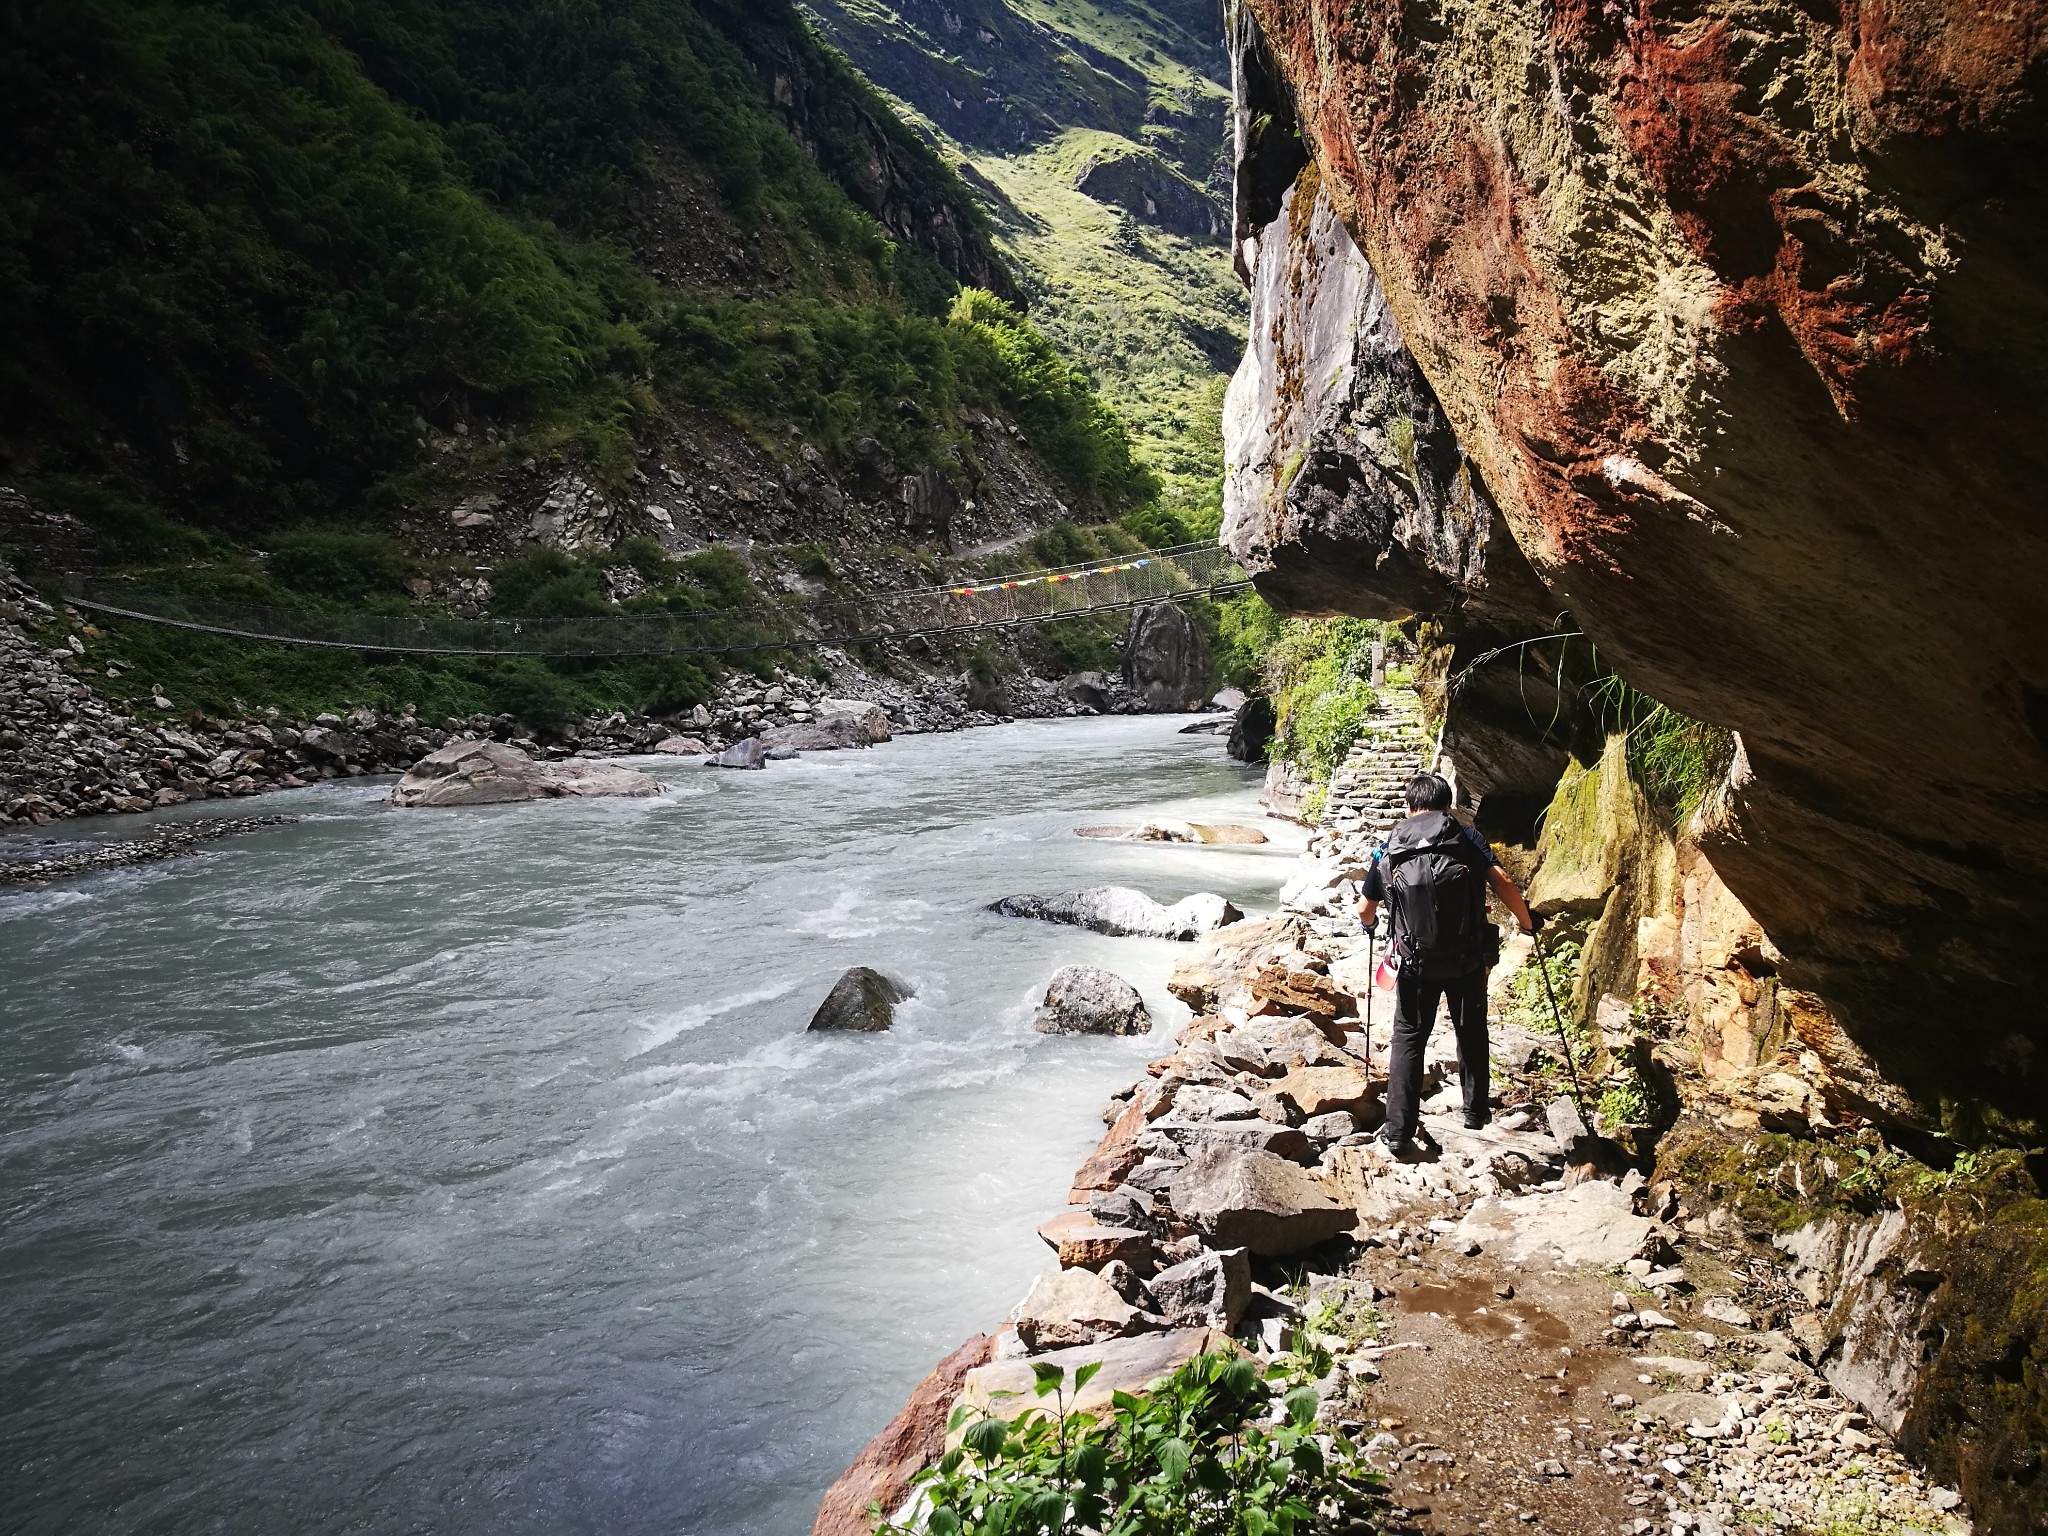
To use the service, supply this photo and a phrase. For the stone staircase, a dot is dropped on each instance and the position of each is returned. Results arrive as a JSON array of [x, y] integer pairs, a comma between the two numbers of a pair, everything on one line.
[[1364, 798]]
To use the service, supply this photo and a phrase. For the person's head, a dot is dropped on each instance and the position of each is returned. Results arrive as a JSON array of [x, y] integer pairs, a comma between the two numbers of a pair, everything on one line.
[[1427, 792]]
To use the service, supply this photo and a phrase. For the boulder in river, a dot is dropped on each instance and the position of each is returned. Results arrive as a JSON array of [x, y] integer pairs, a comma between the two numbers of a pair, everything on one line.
[[491, 773], [1087, 1000], [871, 718], [1120, 911], [1251, 730], [1087, 690], [834, 733], [1223, 833], [1166, 661], [747, 752], [1256, 1200], [861, 999], [681, 746]]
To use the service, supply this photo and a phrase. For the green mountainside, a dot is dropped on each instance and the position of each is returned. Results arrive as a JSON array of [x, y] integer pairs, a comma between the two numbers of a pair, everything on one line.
[[398, 289], [1095, 134]]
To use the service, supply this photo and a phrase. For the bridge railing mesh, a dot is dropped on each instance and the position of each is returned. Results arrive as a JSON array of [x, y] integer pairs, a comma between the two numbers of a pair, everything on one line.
[[1028, 597]]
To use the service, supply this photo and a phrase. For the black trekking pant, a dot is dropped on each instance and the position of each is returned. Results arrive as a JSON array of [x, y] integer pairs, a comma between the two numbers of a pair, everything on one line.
[[1415, 1002]]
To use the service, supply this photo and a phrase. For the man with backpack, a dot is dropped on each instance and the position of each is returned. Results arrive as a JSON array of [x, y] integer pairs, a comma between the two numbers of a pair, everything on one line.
[[1435, 871]]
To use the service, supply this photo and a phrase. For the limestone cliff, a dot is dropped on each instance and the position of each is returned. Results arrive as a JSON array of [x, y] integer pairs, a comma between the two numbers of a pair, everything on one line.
[[1731, 312]]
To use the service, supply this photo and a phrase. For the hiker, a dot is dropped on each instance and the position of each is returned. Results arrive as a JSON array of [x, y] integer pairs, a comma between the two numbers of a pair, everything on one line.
[[1431, 866]]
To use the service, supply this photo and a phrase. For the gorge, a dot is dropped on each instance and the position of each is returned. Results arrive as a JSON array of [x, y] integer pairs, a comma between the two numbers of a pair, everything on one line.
[[1631, 415]]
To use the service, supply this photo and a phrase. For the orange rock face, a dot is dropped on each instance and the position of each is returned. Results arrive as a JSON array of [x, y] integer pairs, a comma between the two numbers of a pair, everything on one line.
[[1738, 311], [911, 1442]]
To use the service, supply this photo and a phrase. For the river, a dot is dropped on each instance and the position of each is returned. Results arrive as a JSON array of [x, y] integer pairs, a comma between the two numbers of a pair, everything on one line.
[[472, 1170]]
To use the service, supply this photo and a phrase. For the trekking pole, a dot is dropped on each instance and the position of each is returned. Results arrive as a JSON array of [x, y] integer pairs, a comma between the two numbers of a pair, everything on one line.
[[1372, 936], [1557, 1014]]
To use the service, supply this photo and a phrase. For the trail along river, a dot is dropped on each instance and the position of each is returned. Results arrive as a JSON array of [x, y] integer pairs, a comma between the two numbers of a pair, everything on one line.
[[471, 1170]]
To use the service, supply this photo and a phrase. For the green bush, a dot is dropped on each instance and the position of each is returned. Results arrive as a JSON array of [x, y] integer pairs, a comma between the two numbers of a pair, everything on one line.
[[340, 563], [1156, 528], [543, 582], [1319, 672], [1216, 1449]]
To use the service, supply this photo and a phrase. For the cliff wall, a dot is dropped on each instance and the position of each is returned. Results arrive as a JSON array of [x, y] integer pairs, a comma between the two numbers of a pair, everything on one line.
[[1730, 310]]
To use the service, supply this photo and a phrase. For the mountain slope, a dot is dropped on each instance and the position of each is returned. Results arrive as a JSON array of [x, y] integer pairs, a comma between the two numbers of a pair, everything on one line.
[[1095, 134], [432, 281]]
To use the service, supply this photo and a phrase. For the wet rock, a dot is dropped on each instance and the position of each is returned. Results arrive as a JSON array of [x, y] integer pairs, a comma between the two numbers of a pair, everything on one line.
[[681, 746], [335, 746], [1255, 1200], [470, 772], [872, 719], [747, 752], [1066, 1307], [1211, 1290], [1087, 1000], [781, 752], [1122, 912], [862, 1000]]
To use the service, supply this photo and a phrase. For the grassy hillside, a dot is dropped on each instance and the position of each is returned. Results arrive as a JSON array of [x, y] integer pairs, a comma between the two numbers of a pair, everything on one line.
[[1094, 134]]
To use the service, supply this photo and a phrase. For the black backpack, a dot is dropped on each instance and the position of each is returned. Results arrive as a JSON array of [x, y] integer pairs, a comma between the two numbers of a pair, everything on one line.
[[1436, 882]]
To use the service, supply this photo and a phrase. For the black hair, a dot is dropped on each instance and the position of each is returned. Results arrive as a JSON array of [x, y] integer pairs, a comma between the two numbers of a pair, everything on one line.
[[1427, 792]]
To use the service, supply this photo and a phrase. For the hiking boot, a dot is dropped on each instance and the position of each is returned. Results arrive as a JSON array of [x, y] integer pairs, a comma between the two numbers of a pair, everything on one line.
[[1478, 1122], [1395, 1146]]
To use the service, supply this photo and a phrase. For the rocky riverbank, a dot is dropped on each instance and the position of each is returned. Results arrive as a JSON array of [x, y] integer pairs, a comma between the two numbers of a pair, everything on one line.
[[1523, 1328], [65, 750]]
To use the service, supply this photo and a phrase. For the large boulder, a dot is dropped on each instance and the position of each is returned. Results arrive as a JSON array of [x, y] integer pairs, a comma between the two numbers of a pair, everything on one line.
[[831, 734], [681, 746], [1251, 730], [1166, 661], [1087, 1000], [1122, 912], [1086, 690], [871, 718], [747, 752], [491, 773], [1241, 1198], [1066, 1307], [1210, 1290], [861, 1000]]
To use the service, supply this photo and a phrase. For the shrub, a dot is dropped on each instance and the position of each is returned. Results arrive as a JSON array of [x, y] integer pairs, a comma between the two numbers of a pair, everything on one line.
[[1156, 528], [542, 582], [1216, 1447], [1319, 672], [339, 562]]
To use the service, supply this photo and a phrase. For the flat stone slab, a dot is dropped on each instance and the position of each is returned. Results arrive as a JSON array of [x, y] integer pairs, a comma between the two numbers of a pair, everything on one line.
[[1592, 1224], [1128, 1365]]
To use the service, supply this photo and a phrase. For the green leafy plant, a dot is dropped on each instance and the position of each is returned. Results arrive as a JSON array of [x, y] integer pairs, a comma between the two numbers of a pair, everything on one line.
[[1319, 674], [1215, 1449]]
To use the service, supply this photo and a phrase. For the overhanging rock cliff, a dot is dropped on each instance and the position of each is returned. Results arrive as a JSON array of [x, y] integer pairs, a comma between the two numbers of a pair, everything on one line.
[[1735, 311]]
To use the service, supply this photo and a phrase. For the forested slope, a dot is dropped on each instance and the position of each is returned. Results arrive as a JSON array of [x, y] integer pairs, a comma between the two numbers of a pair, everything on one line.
[[401, 288]]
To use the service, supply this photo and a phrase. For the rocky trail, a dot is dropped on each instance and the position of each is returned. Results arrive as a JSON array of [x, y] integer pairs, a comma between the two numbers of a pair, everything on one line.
[[1518, 1327]]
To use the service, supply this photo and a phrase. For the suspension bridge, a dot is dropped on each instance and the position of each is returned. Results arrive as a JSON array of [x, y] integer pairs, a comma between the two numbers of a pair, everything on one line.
[[964, 606]]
